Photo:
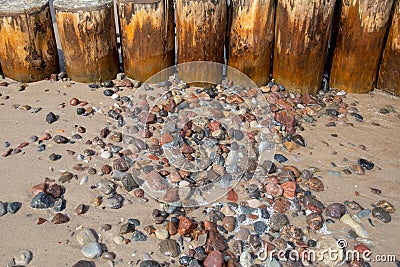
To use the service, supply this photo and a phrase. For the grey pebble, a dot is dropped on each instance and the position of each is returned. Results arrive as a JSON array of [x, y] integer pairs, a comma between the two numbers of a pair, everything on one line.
[[260, 227], [13, 207], [24, 257], [381, 214], [364, 213], [334, 173], [59, 205], [3, 209], [149, 263], [59, 139], [138, 236], [91, 250], [86, 236], [51, 117], [169, 247], [41, 201], [7, 144]]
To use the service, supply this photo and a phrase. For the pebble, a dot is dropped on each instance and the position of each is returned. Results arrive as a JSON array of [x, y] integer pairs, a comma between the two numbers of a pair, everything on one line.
[[13, 207], [126, 228], [24, 257], [106, 154], [229, 223], [260, 227], [334, 173], [368, 165], [335, 210], [51, 117], [91, 250], [41, 201], [314, 221], [364, 213], [60, 218], [214, 259], [245, 259], [277, 221], [81, 209], [149, 263], [357, 116], [138, 236], [387, 206], [108, 255], [59, 139], [86, 236], [161, 234], [119, 240], [83, 263], [280, 158], [381, 214], [3, 208], [169, 247], [114, 202], [355, 223]]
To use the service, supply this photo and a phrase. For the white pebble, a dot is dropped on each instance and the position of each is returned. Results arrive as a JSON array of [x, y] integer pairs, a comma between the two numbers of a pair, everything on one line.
[[84, 180], [115, 96], [106, 154], [24, 257]]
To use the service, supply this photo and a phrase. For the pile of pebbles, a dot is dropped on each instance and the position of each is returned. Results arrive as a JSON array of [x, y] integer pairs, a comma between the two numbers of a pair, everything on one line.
[[188, 147]]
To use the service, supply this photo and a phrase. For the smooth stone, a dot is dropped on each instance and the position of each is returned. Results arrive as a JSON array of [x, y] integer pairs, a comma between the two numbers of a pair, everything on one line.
[[59, 139], [280, 158], [149, 263], [169, 247], [138, 236], [41, 201], [86, 236], [83, 263], [92, 250], [126, 228], [135, 222], [381, 214], [245, 259], [332, 112], [227, 211], [355, 223], [357, 116], [65, 177], [51, 117], [59, 205], [229, 223], [3, 209], [335, 210], [214, 259], [277, 221], [364, 213], [260, 227], [24, 257], [242, 234], [13, 207], [128, 182], [114, 202], [107, 187], [106, 154], [161, 234], [119, 240], [368, 165]]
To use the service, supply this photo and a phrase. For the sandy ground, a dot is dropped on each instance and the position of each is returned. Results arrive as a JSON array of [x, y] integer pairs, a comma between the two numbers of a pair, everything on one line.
[[56, 245]]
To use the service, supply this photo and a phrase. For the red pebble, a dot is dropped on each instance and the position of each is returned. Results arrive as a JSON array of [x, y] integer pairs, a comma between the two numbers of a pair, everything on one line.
[[232, 195], [361, 248], [74, 101]]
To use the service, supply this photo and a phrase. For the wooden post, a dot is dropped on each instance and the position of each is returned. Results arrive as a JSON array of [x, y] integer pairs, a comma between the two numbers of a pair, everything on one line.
[[28, 51], [389, 72], [301, 38], [87, 35], [201, 30], [148, 37], [359, 44], [251, 38]]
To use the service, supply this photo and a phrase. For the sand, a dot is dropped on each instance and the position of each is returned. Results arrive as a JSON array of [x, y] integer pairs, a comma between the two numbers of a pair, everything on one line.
[[56, 245]]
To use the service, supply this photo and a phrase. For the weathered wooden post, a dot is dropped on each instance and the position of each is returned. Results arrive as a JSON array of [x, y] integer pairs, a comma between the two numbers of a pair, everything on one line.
[[28, 51], [301, 38], [359, 44], [201, 29], [87, 35], [251, 38], [148, 37], [389, 72]]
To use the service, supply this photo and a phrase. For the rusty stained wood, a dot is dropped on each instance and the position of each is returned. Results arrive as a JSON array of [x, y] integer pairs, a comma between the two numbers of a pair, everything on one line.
[[88, 41], [301, 38], [201, 32], [251, 38], [389, 72], [359, 44], [28, 50], [148, 37]]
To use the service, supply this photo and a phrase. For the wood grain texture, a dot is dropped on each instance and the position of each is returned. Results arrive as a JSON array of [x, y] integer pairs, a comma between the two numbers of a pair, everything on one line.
[[359, 44], [201, 32], [251, 38], [88, 41], [301, 38], [148, 38], [28, 51], [389, 72]]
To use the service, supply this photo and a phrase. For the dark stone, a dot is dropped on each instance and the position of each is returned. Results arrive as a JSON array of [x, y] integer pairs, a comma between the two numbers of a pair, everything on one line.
[[149, 263], [368, 165], [108, 84], [260, 227], [332, 112], [3, 208], [381, 214], [42, 201], [298, 139], [51, 117], [138, 236], [277, 221], [185, 260], [13, 207], [126, 228], [280, 158], [83, 263], [335, 210], [59, 139], [357, 116], [128, 183], [108, 92]]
